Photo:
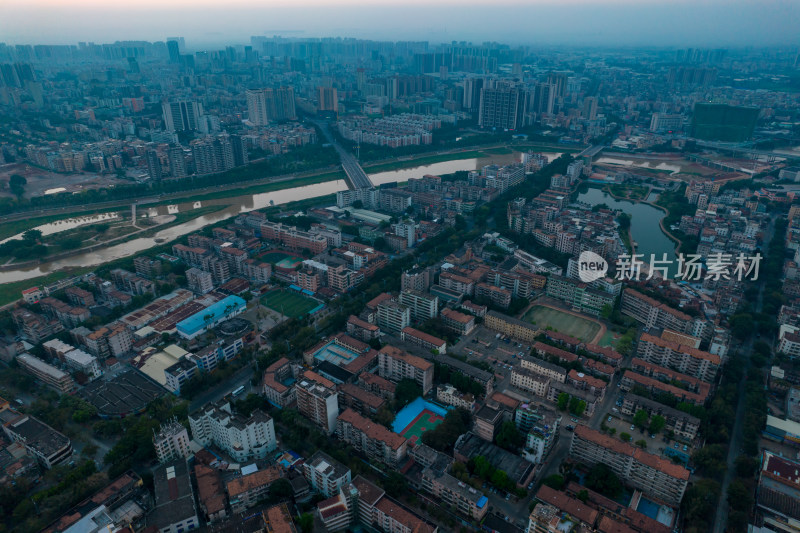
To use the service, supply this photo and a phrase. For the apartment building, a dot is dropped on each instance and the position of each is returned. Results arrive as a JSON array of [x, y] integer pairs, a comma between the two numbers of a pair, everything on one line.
[[654, 314], [418, 279], [519, 284], [449, 395], [199, 281], [631, 379], [456, 282], [685, 359], [422, 306], [246, 491], [497, 295], [425, 340], [243, 438], [47, 374], [581, 381], [47, 445], [677, 421], [546, 350], [393, 316], [668, 375], [544, 368], [171, 442], [371, 439], [460, 323], [466, 500], [361, 329], [530, 381], [394, 364], [514, 328], [656, 477], [325, 474], [317, 400], [274, 384], [578, 295], [294, 239], [361, 400], [175, 507]]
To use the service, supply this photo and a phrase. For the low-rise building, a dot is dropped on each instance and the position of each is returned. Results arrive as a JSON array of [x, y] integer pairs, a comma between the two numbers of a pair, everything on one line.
[[425, 340], [449, 395], [514, 328], [175, 508], [47, 374], [466, 500], [371, 439], [247, 490]]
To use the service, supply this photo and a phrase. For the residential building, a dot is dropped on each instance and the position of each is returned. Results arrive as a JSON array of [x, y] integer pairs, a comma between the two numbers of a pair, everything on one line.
[[655, 476], [778, 493], [514, 328], [460, 323], [422, 306], [171, 442], [394, 364], [578, 295], [530, 381], [466, 500], [325, 474], [247, 490], [317, 400], [47, 374], [426, 340], [449, 395], [544, 368], [47, 445], [371, 439], [276, 384], [685, 359], [393, 316], [243, 438], [175, 509]]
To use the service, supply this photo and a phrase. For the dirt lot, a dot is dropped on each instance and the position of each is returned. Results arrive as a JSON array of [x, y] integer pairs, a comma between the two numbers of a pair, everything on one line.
[[40, 180]]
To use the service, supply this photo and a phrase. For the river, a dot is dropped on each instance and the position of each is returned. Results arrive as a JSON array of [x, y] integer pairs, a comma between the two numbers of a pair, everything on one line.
[[236, 205], [645, 229]]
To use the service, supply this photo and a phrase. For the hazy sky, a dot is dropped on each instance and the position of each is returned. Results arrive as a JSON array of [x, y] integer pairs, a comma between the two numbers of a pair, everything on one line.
[[581, 22]]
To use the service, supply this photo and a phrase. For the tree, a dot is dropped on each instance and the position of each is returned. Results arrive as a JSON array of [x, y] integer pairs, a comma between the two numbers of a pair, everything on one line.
[[625, 436], [281, 490], [641, 443], [407, 390], [746, 466], [640, 418], [16, 184], [306, 522], [563, 401], [395, 484], [710, 460], [554, 482], [607, 311], [32, 235], [583, 495], [509, 437], [603, 480], [657, 424]]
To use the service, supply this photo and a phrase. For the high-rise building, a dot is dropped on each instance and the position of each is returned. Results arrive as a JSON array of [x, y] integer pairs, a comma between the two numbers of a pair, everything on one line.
[[328, 99], [590, 107], [174, 51], [171, 442], [181, 115], [318, 400], [543, 101], [153, 165], [257, 107], [177, 162], [502, 106], [239, 146], [270, 104]]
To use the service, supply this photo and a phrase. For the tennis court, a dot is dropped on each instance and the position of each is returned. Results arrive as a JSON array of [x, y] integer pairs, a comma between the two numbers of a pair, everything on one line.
[[289, 303], [281, 259], [418, 417], [563, 322]]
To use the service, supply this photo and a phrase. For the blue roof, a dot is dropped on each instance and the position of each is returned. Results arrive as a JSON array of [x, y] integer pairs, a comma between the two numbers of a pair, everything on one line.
[[197, 321], [482, 502]]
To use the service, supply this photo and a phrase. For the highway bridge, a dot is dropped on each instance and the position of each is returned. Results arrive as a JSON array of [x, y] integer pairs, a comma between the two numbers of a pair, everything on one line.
[[356, 177]]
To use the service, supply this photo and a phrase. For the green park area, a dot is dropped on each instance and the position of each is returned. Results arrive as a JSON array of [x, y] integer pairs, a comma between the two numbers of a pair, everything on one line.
[[563, 322], [289, 303]]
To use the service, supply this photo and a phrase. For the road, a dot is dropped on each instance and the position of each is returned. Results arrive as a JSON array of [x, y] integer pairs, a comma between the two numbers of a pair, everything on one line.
[[735, 444], [240, 378], [355, 174]]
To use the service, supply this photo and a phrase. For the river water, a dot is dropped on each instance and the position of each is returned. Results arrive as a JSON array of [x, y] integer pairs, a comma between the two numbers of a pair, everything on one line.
[[645, 229], [236, 205]]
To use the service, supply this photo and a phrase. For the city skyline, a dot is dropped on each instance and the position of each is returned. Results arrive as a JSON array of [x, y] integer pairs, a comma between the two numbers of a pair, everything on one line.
[[577, 22]]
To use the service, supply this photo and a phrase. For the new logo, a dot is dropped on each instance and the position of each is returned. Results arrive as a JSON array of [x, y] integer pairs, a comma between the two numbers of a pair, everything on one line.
[[591, 267]]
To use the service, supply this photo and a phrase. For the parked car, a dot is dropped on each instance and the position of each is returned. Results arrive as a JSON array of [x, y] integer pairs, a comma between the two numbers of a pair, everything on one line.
[[633, 427], [609, 419], [685, 447], [676, 446]]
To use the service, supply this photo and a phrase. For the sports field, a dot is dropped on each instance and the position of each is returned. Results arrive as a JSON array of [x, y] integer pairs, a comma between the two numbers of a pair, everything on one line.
[[563, 322], [425, 421], [289, 303], [281, 259]]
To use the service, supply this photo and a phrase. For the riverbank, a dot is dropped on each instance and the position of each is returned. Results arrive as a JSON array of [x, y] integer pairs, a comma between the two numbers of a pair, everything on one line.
[[178, 218], [10, 292]]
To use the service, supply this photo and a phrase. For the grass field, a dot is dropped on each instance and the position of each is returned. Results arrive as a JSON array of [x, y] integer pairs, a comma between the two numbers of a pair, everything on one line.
[[425, 421], [289, 303], [581, 328]]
